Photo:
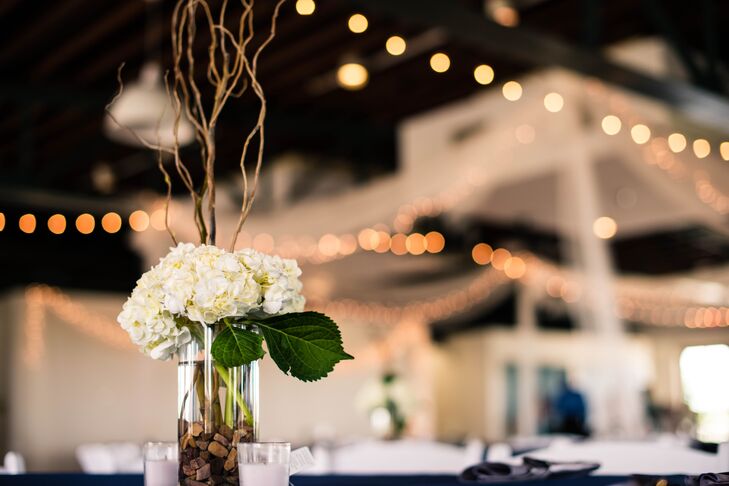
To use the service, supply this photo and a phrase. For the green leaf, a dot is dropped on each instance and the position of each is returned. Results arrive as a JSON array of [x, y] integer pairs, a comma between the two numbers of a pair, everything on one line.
[[306, 345], [237, 347]]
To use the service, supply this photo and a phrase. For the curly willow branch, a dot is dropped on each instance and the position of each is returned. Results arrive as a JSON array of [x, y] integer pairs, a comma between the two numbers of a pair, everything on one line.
[[230, 70]]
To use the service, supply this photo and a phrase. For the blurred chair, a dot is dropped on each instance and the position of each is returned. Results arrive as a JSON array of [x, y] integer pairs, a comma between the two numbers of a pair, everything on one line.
[[624, 458], [121, 457], [13, 463], [401, 457]]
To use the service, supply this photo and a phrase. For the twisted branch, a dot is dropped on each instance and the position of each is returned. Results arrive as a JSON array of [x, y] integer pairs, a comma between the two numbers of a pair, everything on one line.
[[230, 70]]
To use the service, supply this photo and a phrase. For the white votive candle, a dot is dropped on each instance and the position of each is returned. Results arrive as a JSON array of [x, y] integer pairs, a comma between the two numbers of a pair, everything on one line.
[[263, 474], [160, 473]]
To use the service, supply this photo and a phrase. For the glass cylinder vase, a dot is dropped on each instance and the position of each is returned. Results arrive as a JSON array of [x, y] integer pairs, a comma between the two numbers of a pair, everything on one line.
[[218, 408]]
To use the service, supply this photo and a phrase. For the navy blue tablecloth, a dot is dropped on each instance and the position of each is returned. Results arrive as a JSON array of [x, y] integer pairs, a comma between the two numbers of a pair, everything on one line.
[[136, 480]]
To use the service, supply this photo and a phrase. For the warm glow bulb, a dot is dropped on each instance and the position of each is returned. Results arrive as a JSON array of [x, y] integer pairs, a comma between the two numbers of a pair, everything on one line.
[[484, 74], [2, 221], [111, 222], [512, 90], [434, 242], [553, 102], [499, 258], [139, 220], [440, 62], [395, 45], [305, 7], [676, 142], [57, 224], [85, 224], [26, 223], [398, 244], [611, 125], [723, 150], [640, 133], [329, 245], [481, 254], [358, 23], [702, 148], [515, 268], [415, 244], [352, 76], [157, 219], [605, 227]]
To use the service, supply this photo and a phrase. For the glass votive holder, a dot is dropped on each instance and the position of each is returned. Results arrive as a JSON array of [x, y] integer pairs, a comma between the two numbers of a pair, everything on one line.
[[160, 464], [264, 463]]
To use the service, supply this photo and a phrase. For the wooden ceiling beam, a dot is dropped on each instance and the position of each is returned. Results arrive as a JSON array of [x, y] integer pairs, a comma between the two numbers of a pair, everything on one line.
[[104, 26]]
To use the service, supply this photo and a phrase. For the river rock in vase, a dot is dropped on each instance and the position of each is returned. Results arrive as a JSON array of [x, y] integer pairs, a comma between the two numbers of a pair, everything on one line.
[[218, 409]]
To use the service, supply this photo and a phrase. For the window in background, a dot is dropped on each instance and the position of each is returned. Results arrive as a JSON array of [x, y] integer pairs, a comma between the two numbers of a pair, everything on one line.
[[705, 390]]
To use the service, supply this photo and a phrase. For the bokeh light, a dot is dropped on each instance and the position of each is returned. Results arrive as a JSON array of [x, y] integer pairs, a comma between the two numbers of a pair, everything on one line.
[[512, 90], [305, 7], [499, 258], [611, 125], [481, 254], [640, 133], [26, 223], [139, 220], [605, 227], [395, 45], [415, 244], [440, 62], [357, 23], [352, 76], [677, 142], [111, 222], [85, 224], [434, 242], [57, 224], [483, 74], [553, 102], [702, 148]]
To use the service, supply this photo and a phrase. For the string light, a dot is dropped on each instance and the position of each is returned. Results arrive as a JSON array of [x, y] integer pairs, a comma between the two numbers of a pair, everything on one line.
[[499, 258], [415, 244], [440, 62], [157, 219], [26, 223], [395, 45], [111, 222], [611, 125], [357, 23], [305, 7], [640, 133], [604, 227], [512, 90], [677, 142], [85, 224], [481, 254], [39, 299], [139, 220], [723, 150], [352, 76], [702, 148], [434, 242], [483, 74], [2, 221], [57, 224], [515, 268], [553, 102]]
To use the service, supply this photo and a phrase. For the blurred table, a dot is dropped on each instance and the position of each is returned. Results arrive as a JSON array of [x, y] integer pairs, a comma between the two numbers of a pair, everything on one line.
[[137, 480]]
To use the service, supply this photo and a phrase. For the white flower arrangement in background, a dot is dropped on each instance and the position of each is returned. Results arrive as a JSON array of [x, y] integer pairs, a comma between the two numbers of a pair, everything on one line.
[[205, 284]]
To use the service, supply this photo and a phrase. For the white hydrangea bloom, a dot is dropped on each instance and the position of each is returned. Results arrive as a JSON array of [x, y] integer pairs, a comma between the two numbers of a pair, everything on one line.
[[206, 284]]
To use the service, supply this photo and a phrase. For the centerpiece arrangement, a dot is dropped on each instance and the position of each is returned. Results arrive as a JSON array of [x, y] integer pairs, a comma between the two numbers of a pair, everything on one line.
[[214, 308]]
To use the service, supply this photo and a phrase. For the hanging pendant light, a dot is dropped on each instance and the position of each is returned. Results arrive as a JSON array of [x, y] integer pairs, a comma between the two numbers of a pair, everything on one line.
[[145, 108]]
